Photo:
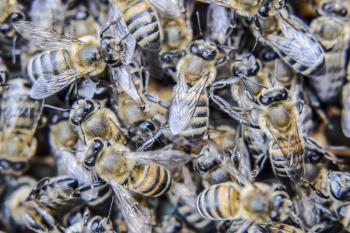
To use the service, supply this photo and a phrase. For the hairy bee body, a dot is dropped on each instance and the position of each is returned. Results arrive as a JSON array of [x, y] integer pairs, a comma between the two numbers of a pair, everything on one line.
[[20, 115], [333, 33], [148, 179], [96, 121], [142, 22], [227, 201], [198, 126], [85, 58], [306, 56]]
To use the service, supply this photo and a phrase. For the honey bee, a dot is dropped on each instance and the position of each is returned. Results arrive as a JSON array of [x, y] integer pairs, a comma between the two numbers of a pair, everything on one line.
[[91, 224], [333, 33], [183, 195], [251, 204], [135, 171], [188, 112], [96, 121], [278, 228], [290, 38], [67, 59], [243, 7], [42, 207], [142, 20], [19, 119], [177, 35]]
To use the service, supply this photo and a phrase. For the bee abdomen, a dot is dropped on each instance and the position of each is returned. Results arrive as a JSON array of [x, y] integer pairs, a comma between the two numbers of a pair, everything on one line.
[[198, 125], [150, 180], [191, 216], [52, 62], [143, 24], [218, 202]]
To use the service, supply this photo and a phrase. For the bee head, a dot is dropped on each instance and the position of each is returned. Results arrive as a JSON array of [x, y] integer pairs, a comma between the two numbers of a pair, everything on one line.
[[81, 110], [339, 185], [335, 8], [273, 96], [248, 66], [141, 131], [204, 50], [92, 152], [111, 50]]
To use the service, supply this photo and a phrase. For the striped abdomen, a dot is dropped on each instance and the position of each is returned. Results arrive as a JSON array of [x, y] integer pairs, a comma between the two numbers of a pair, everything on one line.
[[198, 126], [142, 23], [19, 111], [218, 202], [282, 166], [52, 62], [329, 82], [150, 179], [191, 216]]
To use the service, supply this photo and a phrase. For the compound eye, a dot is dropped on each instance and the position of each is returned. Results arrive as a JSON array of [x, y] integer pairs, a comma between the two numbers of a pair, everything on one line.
[[254, 70], [89, 106], [17, 16], [194, 49], [269, 56], [209, 55], [264, 10], [284, 94], [74, 121], [264, 100], [167, 57], [327, 7], [94, 225], [342, 12], [81, 15], [98, 145]]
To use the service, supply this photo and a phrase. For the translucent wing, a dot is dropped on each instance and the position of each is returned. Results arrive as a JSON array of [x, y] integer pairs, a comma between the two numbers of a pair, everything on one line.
[[49, 84], [135, 217], [120, 31], [167, 8], [297, 44], [346, 110], [19, 110], [184, 103], [292, 148], [44, 38], [122, 78], [167, 158]]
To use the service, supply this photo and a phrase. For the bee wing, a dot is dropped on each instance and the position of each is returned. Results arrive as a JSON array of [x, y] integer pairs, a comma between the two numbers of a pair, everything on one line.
[[297, 44], [122, 78], [121, 32], [17, 109], [184, 104], [168, 8], [292, 148], [346, 110], [49, 84], [44, 38], [134, 216], [168, 158]]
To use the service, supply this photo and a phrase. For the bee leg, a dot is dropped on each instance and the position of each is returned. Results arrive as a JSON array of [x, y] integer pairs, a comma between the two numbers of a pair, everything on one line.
[[228, 109], [151, 141], [223, 83], [156, 100]]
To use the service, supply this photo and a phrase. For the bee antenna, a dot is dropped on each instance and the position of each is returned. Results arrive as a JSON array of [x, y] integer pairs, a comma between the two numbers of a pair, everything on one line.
[[82, 132], [199, 24], [110, 209], [56, 108], [251, 80]]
